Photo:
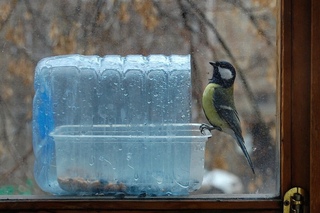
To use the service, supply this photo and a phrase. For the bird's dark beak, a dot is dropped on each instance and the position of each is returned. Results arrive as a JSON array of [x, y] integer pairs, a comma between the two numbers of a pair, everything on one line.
[[212, 63]]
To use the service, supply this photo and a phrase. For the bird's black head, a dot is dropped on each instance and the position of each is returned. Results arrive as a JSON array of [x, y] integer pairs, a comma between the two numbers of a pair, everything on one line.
[[224, 73]]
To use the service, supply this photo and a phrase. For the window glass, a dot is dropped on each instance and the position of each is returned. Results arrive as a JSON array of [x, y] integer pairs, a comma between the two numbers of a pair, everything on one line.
[[241, 32]]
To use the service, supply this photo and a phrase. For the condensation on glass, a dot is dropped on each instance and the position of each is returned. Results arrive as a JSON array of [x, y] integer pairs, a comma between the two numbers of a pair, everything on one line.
[[242, 32]]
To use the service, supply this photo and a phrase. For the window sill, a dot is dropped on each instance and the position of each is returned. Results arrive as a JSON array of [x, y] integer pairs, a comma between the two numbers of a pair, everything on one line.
[[225, 202]]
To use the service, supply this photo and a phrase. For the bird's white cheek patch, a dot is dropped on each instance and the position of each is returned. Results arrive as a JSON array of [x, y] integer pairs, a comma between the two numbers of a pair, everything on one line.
[[225, 73]]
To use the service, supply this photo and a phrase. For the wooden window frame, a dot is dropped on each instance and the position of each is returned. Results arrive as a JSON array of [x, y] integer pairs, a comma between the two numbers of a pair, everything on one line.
[[299, 133]]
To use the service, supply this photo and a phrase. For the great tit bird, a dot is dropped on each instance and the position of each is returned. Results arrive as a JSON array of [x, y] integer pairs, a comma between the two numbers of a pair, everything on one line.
[[218, 105]]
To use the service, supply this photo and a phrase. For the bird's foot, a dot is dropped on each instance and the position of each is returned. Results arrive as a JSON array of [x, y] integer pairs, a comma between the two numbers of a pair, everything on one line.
[[206, 127]]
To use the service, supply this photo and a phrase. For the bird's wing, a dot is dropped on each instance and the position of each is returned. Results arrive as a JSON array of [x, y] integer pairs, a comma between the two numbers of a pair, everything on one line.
[[224, 104]]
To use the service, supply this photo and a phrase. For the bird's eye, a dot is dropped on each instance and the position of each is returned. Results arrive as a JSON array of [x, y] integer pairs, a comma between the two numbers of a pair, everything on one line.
[[220, 65]]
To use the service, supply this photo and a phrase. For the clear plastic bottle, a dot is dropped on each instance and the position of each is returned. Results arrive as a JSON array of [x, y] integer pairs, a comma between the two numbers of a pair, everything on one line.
[[106, 120]]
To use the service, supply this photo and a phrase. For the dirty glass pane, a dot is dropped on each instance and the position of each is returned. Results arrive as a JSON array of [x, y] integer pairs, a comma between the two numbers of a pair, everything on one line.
[[243, 33]]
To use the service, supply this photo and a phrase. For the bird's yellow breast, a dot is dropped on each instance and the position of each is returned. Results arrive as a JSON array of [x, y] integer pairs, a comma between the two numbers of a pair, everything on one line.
[[208, 106]]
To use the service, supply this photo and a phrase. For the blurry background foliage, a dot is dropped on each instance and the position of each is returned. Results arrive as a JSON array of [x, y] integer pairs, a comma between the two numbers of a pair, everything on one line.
[[241, 31]]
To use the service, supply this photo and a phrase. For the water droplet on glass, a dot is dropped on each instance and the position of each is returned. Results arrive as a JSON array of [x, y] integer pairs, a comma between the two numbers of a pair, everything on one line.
[[129, 156], [42, 89], [136, 177], [159, 180], [99, 94], [169, 194]]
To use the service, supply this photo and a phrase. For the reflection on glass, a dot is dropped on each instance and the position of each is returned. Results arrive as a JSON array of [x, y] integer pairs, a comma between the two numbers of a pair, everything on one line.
[[241, 32]]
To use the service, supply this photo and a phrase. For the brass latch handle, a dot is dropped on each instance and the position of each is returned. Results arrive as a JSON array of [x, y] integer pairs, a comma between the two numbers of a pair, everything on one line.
[[294, 201]]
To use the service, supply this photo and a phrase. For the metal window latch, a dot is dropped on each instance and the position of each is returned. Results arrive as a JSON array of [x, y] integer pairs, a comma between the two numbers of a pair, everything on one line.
[[294, 201]]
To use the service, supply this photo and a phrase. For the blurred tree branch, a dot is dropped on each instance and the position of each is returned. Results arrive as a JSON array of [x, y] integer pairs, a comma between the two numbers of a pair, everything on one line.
[[201, 16], [12, 6], [253, 19]]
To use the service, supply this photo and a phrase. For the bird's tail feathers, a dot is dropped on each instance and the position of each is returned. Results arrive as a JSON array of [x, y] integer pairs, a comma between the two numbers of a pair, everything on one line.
[[240, 142]]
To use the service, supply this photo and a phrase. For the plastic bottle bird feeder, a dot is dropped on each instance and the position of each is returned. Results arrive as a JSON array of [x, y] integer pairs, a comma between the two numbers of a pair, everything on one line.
[[116, 125]]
